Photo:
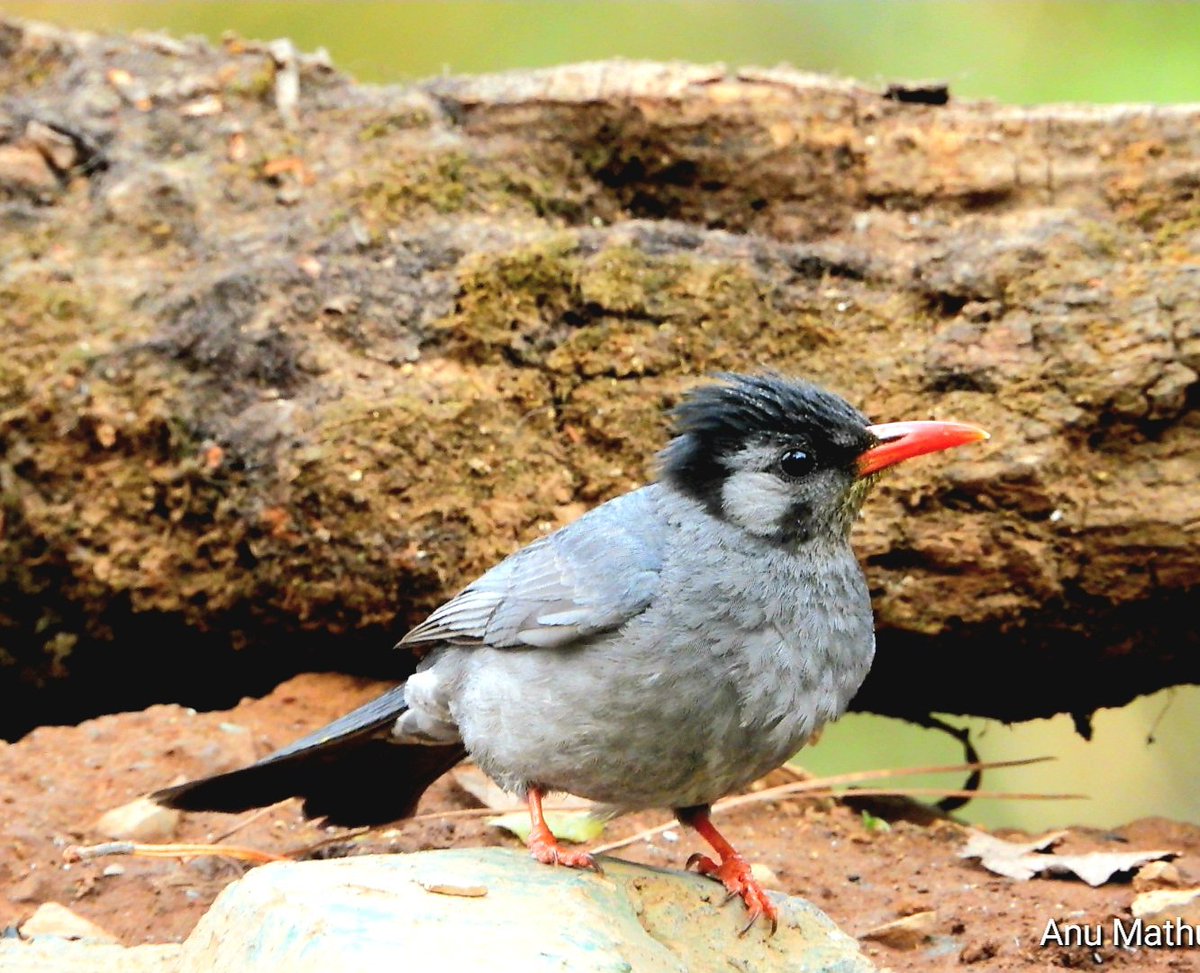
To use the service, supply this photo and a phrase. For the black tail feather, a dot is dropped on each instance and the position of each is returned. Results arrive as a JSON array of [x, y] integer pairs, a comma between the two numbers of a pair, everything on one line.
[[349, 772]]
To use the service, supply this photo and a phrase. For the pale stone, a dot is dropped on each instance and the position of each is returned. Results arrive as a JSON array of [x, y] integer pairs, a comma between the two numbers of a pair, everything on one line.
[[1157, 875], [140, 820], [908, 932], [52, 919], [368, 914], [1168, 904], [62, 956]]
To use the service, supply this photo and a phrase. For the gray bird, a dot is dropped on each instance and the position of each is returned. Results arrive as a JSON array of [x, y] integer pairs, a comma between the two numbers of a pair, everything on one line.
[[667, 648]]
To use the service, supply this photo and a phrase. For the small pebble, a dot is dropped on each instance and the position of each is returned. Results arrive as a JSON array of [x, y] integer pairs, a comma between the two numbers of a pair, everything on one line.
[[140, 820]]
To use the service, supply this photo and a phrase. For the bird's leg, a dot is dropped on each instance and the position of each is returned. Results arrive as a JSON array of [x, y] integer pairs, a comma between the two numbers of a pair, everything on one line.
[[733, 872], [542, 843]]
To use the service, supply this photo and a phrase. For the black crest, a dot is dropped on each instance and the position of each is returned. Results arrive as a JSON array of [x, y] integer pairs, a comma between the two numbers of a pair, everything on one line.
[[717, 420]]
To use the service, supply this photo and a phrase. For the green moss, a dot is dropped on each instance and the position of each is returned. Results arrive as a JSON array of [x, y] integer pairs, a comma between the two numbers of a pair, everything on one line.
[[401, 184], [1101, 238], [620, 311], [443, 183], [1174, 231], [254, 81], [41, 322], [394, 122], [30, 63], [430, 486]]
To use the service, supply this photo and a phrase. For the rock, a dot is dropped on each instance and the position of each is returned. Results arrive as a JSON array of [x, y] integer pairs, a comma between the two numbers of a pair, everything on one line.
[[498, 910], [34, 887], [906, 933], [1157, 875], [765, 876], [60, 956], [140, 820], [1168, 904], [54, 920]]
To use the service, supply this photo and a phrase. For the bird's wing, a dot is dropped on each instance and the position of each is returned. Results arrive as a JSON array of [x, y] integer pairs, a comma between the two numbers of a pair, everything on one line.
[[591, 576]]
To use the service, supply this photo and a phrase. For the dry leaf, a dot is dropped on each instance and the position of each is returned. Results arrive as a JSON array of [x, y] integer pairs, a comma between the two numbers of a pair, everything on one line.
[[573, 826], [1021, 861]]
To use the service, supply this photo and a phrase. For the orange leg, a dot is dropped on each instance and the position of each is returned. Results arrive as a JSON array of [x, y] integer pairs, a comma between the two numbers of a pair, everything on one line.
[[544, 846], [733, 872]]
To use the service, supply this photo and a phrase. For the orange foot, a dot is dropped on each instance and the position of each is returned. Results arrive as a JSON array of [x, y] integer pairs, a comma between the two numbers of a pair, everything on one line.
[[734, 873], [546, 849]]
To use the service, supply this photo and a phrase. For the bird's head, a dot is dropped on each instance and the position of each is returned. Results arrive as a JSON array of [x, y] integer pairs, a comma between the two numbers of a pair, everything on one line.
[[786, 460]]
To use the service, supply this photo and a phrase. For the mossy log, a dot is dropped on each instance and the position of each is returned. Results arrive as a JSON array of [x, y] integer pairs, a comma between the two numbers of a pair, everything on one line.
[[286, 359]]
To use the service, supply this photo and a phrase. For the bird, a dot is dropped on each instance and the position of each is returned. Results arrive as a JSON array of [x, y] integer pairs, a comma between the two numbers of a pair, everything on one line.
[[665, 649]]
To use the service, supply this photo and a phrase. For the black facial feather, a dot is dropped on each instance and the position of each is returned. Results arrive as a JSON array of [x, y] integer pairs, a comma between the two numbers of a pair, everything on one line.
[[718, 420]]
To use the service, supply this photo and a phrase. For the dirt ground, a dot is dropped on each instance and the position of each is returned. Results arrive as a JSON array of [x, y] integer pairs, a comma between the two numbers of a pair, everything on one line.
[[57, 780]]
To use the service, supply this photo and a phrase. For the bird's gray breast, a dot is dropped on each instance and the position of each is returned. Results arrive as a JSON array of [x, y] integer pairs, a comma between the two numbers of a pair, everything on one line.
[[745, 650]]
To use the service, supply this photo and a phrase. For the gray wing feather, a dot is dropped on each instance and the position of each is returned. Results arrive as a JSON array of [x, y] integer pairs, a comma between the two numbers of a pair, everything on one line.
[[591, 576]]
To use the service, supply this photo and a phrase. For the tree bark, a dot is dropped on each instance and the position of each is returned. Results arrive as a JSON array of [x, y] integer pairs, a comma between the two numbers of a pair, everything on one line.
[[278, 374]]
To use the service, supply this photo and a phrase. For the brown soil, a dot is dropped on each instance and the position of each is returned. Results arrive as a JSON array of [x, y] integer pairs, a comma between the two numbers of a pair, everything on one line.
[[58, 779]]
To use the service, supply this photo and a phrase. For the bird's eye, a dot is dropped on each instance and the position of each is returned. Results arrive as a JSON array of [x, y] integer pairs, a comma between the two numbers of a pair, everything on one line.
[[795, 463]]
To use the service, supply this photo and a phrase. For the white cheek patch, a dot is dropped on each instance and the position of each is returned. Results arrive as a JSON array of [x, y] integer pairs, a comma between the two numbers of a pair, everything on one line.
[[757, 502]]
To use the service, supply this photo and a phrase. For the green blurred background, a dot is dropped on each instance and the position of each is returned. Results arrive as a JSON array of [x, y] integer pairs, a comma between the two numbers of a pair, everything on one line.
[[1017, 51], [1144, 757]]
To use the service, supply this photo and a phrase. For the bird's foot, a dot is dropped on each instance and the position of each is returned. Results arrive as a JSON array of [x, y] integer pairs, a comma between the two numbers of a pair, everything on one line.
[[735, 874], [544, 846], [546, 849]]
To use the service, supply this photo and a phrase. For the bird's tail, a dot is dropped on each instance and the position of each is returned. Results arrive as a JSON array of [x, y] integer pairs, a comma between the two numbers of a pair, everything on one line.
[[348, 772]]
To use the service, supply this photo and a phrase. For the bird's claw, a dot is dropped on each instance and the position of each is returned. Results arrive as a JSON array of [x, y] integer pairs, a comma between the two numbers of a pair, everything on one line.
[[734, 873], [549, 852]]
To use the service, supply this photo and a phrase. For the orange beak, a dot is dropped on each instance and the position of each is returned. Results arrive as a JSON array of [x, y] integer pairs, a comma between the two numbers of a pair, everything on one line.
[[898, 441]]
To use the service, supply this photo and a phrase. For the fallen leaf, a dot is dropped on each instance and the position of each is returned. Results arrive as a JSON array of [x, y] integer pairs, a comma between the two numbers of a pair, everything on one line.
[[573, 826], [980, 843], [1022, 861]]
